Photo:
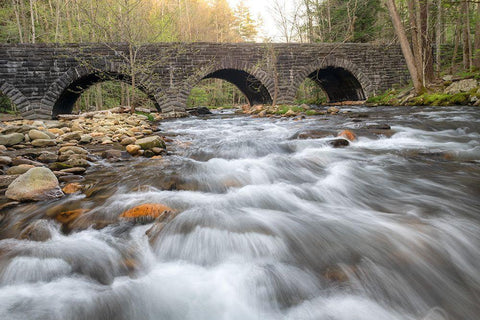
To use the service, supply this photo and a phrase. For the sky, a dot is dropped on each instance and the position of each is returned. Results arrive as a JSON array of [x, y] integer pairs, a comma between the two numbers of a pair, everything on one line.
[[262, 8]]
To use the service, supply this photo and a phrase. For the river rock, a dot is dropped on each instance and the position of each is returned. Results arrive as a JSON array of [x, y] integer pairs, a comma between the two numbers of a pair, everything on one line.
[[74, 170], [339, 143], [76, 135], [133, 149], [72, 188], [77, 162], [20, 160], [6, 180], [86, 138], [461, 86], [74, 149], [127, 141], [47, 157], [148, 212], [333, 110], [36, 184], [347, 134], [4, 160], [151, 142], [20, 169], [56, 131], [38, 230], [44, 143], [37, 134], [112, 154], [11, 139]]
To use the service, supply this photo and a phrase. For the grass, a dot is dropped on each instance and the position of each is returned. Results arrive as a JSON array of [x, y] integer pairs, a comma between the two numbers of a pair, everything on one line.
[[282, 109], [441, 99], [389, 97]]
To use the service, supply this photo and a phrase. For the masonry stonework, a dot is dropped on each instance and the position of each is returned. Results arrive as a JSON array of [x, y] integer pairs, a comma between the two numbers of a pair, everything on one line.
[[45, 79]]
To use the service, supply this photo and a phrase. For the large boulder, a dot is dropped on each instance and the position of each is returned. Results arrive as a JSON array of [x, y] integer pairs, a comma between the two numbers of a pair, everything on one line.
[[461, 86], [11, 139], [151, 142], [34, 185]]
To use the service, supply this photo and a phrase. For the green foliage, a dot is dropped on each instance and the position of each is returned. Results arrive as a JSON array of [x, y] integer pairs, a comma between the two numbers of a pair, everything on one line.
[[441, 99], [215, 93], [282, 109], [386, 98], [148, 115], [6, 105], [310, 93]]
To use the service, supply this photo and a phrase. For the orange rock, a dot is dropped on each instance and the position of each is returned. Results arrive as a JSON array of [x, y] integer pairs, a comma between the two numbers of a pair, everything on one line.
[[150, 210], [157, 157], [347, 134], [72, 188], [66, 217]]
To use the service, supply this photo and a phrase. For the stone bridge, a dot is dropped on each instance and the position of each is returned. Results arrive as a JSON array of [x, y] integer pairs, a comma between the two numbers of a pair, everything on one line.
[[44, 80]]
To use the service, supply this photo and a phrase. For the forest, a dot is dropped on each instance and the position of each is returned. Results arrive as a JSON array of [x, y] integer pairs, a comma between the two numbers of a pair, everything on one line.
[[437, 36]]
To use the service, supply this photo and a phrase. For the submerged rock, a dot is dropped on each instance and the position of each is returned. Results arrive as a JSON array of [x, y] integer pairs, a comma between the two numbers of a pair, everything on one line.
[[35, 185], [339, 143], [38, 230], [147, 212]]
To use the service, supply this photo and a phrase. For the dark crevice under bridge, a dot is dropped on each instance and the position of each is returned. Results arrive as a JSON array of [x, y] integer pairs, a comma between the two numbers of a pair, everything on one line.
[[44, 80]]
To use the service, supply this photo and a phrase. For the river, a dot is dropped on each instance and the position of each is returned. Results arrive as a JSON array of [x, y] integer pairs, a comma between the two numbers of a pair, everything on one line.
[[274, 223]]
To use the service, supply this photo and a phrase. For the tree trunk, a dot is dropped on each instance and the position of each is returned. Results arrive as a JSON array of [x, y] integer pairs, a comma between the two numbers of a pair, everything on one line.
[[476, 61], [32, 18], [17, 16], [416, 38], [98, 97], [407, 53], [467, 45], [457, 43], [427, 61], [438, 38]]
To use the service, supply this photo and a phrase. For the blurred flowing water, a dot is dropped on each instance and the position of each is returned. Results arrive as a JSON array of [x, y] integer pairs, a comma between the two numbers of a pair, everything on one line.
[[271, 226]]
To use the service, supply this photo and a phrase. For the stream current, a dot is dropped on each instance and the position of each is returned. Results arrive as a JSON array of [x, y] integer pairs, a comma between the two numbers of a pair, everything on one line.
[[274, 223]]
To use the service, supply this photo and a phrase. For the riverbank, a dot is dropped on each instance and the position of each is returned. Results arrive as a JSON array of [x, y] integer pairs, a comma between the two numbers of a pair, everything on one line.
[[448, 91]]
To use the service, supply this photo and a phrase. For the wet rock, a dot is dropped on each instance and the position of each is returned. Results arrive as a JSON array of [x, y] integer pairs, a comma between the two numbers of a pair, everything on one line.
[[347, 134], [37, 134], [71, 178], [2, 148], [66, 217], [20, 169], [151, 142], [6, 180], [57, 166], [128, 141], [75, 170], [311, 134], [11, 139], [333, 110], [147, 212], [77, 162], [43, 143], [290, 113], [375, 126], [154, 231], [148, 153], [36, 184], [198, 111], [20, 160], [112, 154], [73, 187], [133, 149], [47, 157], [339, 143], [157, 150], [38, 230], [4, 160]]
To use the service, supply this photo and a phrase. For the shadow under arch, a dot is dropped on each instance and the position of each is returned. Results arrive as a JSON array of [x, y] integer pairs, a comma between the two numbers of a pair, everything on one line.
[[65, 102], [338, 84], [253, 88], [340, 79]]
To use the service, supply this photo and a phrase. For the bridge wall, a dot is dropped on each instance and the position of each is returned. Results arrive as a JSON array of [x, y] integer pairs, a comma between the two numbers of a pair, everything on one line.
[[34, 76]]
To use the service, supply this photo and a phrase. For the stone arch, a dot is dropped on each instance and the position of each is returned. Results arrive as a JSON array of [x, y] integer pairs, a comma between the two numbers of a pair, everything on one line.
[[20, 101], [64, 92], [339, 78], [252, 81]]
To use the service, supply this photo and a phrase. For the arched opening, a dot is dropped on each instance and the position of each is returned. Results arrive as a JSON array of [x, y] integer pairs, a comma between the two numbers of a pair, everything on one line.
[[251, 87], [6, 105], [338, 84], [309, 92], [215, 93], [110, 88]]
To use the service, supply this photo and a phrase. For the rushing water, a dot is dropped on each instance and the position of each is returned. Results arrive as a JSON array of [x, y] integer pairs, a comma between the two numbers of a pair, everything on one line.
[[271, 226]]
